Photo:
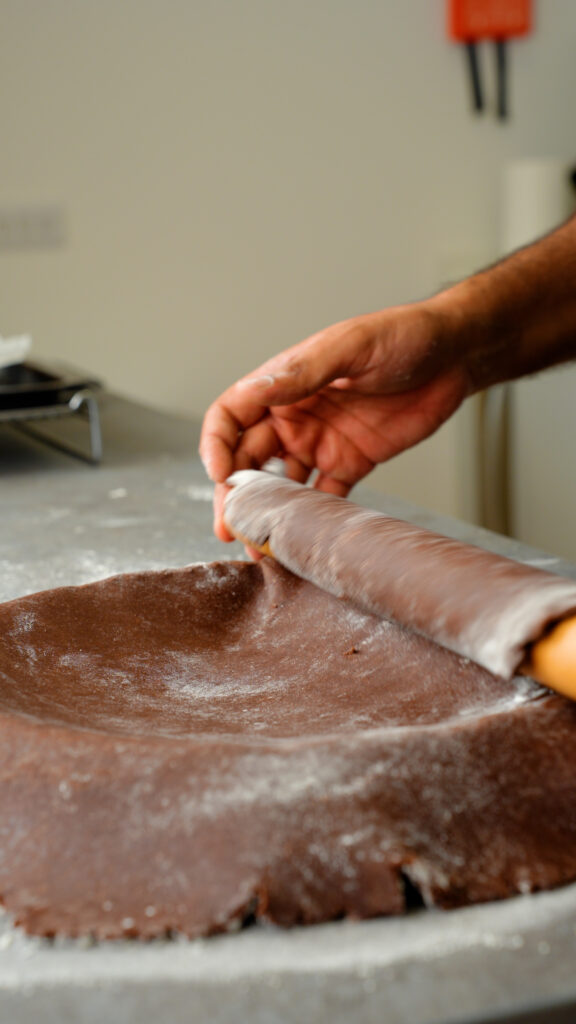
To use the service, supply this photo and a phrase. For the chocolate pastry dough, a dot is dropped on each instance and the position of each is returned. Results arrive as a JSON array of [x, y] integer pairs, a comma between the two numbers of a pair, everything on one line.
[[192, 749], [474, 602]]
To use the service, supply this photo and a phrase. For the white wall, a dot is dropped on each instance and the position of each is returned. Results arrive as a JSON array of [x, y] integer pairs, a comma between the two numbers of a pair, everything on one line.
[[238, 173]]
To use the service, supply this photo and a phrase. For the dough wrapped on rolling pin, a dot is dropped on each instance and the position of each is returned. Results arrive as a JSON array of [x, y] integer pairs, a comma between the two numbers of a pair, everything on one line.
[[491, 609]]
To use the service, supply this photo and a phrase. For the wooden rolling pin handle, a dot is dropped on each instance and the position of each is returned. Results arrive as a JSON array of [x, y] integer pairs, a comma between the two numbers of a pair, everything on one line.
[[262, 549], [552, 660]]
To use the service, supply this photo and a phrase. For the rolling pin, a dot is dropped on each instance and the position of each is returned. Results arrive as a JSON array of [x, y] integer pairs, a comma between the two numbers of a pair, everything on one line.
[[506, 616]]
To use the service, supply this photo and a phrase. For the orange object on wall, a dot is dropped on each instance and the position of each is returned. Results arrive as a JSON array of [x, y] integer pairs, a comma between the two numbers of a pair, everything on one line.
[[470, 20]]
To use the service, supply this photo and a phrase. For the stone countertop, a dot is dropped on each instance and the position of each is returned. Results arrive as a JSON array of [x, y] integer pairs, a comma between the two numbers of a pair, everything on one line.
[[148, 506]]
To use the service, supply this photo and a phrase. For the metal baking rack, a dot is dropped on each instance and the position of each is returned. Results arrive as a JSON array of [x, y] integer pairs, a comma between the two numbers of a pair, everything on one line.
[[32, 393]]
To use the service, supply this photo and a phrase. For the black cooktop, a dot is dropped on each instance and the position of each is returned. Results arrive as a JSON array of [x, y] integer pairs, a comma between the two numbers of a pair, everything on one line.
[[32, 385]]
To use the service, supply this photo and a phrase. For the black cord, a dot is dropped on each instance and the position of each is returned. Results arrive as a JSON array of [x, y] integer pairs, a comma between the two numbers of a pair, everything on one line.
[[474, 74], [500, 50]]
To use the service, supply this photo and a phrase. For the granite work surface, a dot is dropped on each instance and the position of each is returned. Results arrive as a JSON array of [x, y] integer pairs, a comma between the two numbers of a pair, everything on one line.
[[148, 506]]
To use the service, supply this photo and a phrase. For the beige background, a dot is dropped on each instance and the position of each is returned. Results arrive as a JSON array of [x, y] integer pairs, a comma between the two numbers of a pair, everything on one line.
[[237, 173]]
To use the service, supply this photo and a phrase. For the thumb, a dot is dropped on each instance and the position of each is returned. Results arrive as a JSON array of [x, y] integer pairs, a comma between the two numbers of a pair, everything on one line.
[[304, 369]]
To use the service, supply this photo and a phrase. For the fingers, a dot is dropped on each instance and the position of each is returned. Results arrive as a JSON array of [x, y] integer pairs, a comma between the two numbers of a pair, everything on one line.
[[218, 440], [252, 553], [220, 528], [242, 430], [293, 375], [256, 445], [330, 485], [295, 470], [224, 424], [301, 371]]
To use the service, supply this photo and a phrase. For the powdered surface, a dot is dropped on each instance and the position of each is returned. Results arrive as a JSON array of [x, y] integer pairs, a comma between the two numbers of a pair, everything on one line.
[[193, 748]]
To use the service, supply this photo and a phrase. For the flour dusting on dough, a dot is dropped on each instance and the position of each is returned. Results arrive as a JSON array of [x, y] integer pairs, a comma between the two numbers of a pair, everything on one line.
[[219, 706]]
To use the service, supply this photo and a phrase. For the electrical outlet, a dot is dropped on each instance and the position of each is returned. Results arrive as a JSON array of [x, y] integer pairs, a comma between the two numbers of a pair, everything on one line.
[[28, 227]]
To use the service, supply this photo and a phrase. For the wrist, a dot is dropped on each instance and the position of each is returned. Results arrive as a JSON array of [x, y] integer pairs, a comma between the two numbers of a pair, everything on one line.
[[519, 316], [491, 319], [463, 327]]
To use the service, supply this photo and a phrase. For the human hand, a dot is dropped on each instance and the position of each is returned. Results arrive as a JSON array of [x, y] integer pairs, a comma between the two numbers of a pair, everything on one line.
[[340, 402]]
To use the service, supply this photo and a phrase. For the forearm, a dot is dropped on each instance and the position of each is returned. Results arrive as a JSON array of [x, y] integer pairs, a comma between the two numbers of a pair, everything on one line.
[[518, 316]]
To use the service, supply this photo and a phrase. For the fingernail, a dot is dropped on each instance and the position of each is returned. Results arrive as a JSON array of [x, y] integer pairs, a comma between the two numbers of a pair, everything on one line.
[[207, 463], [263, 381]]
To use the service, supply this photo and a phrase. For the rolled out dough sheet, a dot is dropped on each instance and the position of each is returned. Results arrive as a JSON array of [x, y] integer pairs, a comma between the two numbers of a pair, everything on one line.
[[193, 749]]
